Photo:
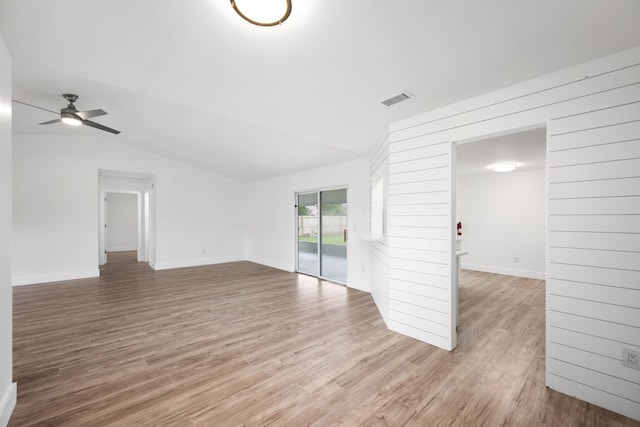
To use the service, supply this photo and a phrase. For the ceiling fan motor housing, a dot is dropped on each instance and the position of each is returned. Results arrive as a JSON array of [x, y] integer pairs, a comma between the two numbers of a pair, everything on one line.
[[70, 97]]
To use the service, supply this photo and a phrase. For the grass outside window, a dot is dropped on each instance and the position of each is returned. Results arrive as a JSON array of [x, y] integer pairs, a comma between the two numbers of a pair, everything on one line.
[[330, 239]]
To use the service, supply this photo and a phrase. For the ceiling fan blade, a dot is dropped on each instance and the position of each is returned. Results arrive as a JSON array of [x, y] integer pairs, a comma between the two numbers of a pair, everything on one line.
[[99, 126], [84, 115], [50, 122], [35, 106]]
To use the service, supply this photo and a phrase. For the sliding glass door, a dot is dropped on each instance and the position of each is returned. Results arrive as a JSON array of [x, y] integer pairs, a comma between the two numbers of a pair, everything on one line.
[[308, 234], [333, 235], [322, 234]]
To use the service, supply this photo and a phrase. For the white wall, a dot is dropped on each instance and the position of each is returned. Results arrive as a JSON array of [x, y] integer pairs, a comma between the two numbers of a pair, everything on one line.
[[200, 215], [7, 388], [592, 113], [271, 231], [122, 222], [503, 217]]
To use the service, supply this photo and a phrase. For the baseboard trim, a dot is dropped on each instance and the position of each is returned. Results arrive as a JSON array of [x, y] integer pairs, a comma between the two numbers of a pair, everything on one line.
[[540, 275], [273, 264], [54, 277], [8, 403], [122, 248], [194, 262]]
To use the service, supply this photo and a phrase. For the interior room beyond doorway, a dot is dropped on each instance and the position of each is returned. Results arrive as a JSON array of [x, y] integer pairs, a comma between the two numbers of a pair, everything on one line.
[[502, 214], [122, 222]]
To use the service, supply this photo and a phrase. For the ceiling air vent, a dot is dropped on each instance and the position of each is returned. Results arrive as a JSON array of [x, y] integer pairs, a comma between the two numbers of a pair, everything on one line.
[[398, 98]]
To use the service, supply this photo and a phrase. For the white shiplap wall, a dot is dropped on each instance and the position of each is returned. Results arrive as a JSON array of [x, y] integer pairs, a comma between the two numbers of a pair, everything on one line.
[[592, 113], [379, 169], [593, 280], [419, 243]]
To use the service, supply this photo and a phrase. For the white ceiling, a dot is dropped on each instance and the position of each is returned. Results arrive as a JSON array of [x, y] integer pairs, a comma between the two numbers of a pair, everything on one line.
[[191, 80], [527, 148]]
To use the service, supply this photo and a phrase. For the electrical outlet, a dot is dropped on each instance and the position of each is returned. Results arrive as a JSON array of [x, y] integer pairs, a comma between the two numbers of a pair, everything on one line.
[[631, 358], [516, 259]]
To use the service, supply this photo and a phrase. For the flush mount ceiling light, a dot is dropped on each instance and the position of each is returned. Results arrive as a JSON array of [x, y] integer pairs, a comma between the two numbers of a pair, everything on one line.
[[264, 13], [504, 167]]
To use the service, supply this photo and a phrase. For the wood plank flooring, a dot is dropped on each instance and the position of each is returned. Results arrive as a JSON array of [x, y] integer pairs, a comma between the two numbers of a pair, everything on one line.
[[243, 344]]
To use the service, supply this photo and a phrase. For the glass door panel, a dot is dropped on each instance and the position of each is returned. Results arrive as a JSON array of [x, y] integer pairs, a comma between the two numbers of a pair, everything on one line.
[[333, 235], [308, 234]]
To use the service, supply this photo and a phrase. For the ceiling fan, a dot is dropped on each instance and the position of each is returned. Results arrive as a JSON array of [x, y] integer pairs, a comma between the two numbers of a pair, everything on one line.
[[71, 116]]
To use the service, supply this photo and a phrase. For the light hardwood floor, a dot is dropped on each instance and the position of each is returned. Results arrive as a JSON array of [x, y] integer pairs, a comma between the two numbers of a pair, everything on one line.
[[243, 344]]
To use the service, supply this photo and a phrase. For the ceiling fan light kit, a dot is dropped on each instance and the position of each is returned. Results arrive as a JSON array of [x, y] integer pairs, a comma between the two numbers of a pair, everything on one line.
[[69, 119], [263, 13]]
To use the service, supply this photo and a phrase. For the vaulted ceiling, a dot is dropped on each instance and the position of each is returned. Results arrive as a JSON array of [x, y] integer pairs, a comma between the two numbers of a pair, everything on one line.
[[193, 81]]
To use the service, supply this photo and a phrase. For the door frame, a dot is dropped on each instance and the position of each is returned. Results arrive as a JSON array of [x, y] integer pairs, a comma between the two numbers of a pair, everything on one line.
[[453, 207], [143, 185]]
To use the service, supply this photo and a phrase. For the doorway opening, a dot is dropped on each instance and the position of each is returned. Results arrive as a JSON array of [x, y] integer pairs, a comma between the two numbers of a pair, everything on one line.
[[321, 237], [127, 215], [121, 220], [501, 216]]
